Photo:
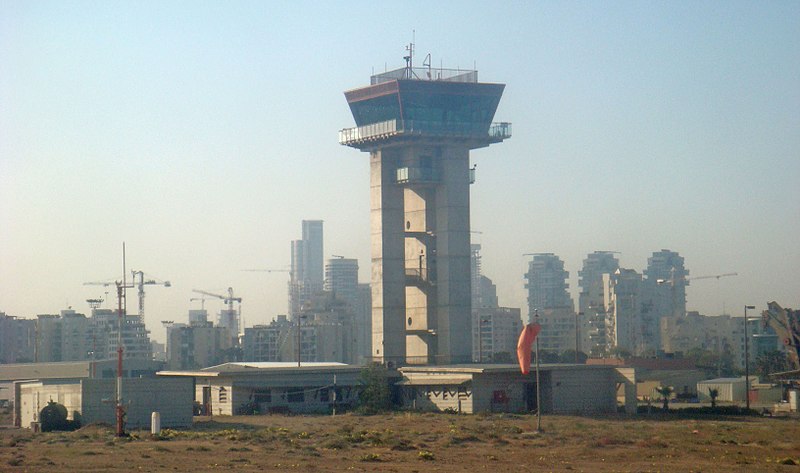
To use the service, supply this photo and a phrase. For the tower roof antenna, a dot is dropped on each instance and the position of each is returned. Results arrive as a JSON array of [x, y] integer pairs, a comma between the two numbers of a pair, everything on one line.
[[409, 58]]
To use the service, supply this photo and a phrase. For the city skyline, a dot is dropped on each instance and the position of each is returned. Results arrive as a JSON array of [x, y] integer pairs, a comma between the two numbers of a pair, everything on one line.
[[184, 131]]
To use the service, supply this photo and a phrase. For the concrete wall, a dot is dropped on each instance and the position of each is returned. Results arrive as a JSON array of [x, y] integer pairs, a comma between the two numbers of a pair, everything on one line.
[[93, 399], [458, 398], [388, 265], [500, 392], [583, 391], [172, 398]]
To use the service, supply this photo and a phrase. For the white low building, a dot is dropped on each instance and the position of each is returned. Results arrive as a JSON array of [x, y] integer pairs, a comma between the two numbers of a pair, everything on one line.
[[728, 389], [272, 387], [565, 389]]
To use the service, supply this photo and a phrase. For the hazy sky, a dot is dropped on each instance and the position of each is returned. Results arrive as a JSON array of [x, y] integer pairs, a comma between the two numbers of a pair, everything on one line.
[[202, 133]]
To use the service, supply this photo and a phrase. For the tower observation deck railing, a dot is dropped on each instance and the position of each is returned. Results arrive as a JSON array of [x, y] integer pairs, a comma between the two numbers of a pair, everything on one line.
[[426, 73], [382, 130]]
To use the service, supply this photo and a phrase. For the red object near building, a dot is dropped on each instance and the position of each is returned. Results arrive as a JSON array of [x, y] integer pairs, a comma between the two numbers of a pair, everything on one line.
[[526, 339]]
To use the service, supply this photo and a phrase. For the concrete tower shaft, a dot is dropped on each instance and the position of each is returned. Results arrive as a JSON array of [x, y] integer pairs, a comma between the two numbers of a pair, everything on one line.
[[419, 134]]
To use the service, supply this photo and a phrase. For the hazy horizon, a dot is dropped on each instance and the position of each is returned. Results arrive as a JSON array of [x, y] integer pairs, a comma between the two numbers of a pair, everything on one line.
[[202, 134]]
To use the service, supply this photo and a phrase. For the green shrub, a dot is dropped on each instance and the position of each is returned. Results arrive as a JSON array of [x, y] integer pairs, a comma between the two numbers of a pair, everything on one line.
[[374, 395]]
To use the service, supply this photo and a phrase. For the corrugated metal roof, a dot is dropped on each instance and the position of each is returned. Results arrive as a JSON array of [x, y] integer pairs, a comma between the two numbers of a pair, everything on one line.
[[435, 380], [280, 364], [65, 369], [256, 368]]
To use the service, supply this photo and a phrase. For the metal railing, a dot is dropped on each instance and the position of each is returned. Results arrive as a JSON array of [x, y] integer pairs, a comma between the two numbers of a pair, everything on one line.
[[381, 130], [368, 132], [426, 73], [417, 175], [417, 275]]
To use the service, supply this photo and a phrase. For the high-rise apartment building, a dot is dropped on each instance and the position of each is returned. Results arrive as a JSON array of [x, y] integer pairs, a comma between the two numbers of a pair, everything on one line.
[[306, 274], [721, 335], [230, 320], [17, 339], [591, 301], [496, 333], [104, 334], [196, 345], [549, 299], [667, 280], [419, 124], [71, 336], [269, 342], [495, 329], [341, 281], [322, 332], [547, 283], [484, 292], [628, 318]]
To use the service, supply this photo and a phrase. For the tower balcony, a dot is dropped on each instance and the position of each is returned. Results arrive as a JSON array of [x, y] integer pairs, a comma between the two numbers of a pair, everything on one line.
[[363, 136], [418, 175], [418, 277]]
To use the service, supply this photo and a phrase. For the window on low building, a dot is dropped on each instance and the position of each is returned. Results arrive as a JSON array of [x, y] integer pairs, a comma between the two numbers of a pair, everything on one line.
[[296, 395], [262, 395], [223, 395]]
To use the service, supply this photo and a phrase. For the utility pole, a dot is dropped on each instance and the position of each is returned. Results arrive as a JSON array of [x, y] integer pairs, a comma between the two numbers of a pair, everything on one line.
[[119, 408], [334, 395], [577, 337], [299, 321], [538, 386], [746, 360]]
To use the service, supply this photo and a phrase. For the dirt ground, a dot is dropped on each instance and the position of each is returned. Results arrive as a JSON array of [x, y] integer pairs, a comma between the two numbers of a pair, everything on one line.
[[414, 442]]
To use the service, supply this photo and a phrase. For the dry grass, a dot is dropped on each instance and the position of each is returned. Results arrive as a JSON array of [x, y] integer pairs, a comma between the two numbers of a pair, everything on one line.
[[415, 442]]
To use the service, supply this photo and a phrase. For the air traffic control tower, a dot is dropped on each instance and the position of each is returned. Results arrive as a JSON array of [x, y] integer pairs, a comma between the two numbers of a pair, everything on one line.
[[419, 124]]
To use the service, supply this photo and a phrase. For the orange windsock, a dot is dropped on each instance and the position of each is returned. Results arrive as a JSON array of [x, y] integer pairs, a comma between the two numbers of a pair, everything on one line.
[[526, 338]]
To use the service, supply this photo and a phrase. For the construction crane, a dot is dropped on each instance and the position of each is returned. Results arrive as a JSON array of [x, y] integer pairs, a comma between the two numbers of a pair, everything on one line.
[[785, 323], [268, 270], [202, 302], [673, 279], [229, 300], [714, 276], [140, 285]]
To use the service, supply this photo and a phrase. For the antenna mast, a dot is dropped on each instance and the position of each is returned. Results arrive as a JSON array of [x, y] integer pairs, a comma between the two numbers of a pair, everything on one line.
[[119, 409], [409, 60]]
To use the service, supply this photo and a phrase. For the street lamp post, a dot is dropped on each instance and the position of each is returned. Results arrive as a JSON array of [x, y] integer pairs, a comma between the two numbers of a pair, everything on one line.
[[577, 337], [538, 386], [299, 320], [746, 360]]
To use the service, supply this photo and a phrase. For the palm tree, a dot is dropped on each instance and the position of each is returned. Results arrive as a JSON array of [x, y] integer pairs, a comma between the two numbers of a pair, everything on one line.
[[666, 392], [713, 393]]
